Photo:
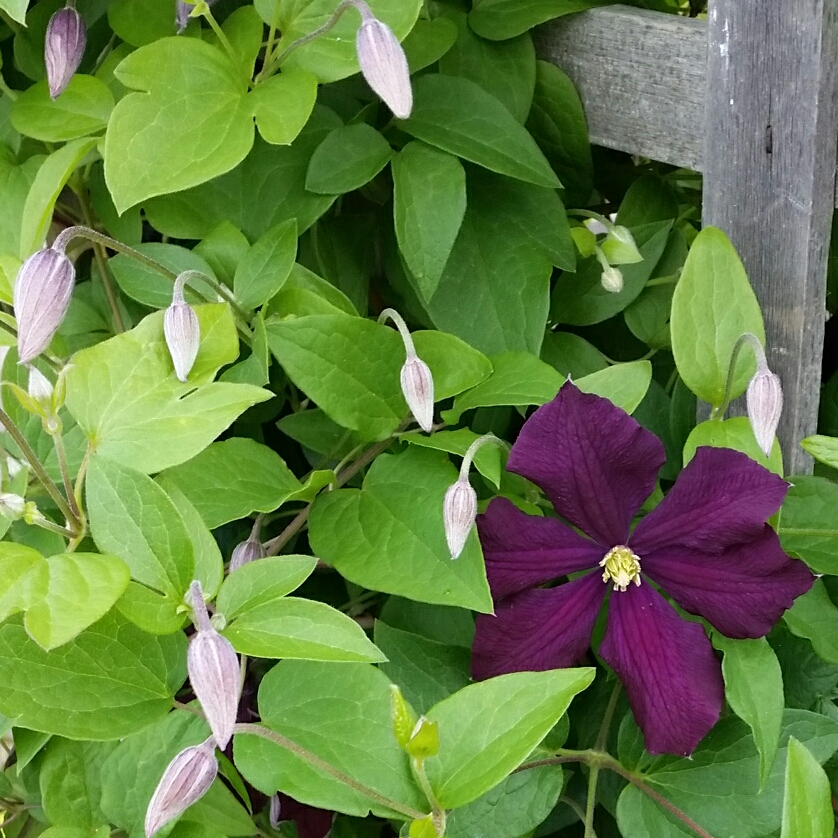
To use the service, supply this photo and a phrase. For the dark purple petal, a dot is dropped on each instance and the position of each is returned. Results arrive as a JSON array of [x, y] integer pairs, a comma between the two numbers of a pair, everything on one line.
[[742, 591], [720, 499], [546, 628], [673, 679], [594, 462], [523, 551]]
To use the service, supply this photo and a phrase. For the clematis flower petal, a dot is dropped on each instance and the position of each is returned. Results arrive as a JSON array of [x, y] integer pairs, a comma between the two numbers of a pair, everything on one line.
[[546, 628], [721, 498], [595, 463], [523, 551], [673, 679], [742, 591]]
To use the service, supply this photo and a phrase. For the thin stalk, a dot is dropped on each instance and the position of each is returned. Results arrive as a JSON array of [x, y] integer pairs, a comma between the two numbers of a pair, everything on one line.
[[219, 289], [593, 777], [4, 88], [223, 39], [719, 411], [270, 44], [46, 524], [437, 812], [326, 768], [52, 490], [61, 454]]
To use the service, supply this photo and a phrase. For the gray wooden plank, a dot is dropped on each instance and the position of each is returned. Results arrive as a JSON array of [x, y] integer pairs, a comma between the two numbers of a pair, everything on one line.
[[641, 76], [769, 177]]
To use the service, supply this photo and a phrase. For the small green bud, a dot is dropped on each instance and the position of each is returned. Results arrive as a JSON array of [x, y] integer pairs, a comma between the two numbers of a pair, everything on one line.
[[619, 247], [424, 741], [403, 715]]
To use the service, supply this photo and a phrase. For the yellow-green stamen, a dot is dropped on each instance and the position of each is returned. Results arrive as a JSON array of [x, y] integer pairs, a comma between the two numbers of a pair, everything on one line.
[[622, 567]]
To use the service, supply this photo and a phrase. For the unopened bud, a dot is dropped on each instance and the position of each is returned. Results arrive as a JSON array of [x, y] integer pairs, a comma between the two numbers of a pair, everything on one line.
[[183, 11], [459, 510], [247, 551], [403, 716], [274, 813], [182, 331], [214, 673], [418, 389], [187, 778], [612, 279], [63, 48], [384, 64], [40, 388], [424, 741], [619, 246], [12, 506], [764, 399], [43, 289]]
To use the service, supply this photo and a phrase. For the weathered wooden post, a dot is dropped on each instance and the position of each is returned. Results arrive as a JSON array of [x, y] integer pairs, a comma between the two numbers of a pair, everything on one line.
[[769, 177]]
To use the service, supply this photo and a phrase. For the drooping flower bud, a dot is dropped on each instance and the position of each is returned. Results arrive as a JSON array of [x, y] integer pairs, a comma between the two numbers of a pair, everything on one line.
[[247, 551], [187, 778], [214, 672], [182, 331], [64, 45], [459, 507], [619, 246], [612, 280], [43, 289], [764, 399], [275, 810], [383, 63], [12, 506]]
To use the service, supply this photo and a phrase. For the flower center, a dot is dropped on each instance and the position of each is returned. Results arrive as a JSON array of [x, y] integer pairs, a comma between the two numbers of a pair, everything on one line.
[[622, 567]]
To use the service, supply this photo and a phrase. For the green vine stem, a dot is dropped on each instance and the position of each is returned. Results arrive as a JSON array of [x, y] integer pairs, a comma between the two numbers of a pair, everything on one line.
[[326, 768], [753, 340]]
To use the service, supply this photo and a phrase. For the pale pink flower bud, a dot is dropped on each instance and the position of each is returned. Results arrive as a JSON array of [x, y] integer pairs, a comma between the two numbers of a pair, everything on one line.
[[182, 331], [459, 510], [12, 506], [63, 48], [214, 673], [764, 399], [187, 778], [418, 388], [40, 388], [384, 65], [273, 815], [43, 289], [247, 551]]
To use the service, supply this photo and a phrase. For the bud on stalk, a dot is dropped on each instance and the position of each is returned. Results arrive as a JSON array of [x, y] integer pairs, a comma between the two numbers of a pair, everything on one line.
[[12, 506], [247, 551], [275, 810], [43, 289], [764, 399], [186, 779], [383, 63], [64, 45], [612, 280], [39, 388], [214, 673], [182, 331]]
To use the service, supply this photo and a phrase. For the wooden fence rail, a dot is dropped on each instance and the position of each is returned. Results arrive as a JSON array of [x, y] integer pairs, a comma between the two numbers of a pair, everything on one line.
[[750, 98]]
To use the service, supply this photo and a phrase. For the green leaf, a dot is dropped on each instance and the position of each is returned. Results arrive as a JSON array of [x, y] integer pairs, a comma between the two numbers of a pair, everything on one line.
[[426, 671], [132, 408], [388, 536], [429, 202], [580, 300], [487, 460], [501, 19], [16, 9], [15, 183], [133, 518], [754, 690], [348, 158], [505, 70], [332, 55], [458, 116], [253, 369], [557, 123], [283, 103], [222, 249], [70, 782], [110, 681], [52, 176], [713, 305], [815, 617], [807, 802], [81, 110], [262, 581], [300, 628], [623, 384], [21, 570], [807, 523], [232, 479], [428, 41], [823, 448], [80, 588], [191, 122], [726, 760], [261, 192], [733, 433], [150, 611], [294, 699], [263, 270], [443, 623], [139, 22], [306, 293], [512, 808], [487, 729], [572, 355], [517, 379]]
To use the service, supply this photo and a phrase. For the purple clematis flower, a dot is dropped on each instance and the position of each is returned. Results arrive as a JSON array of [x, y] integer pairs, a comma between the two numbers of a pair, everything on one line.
[[706, 545]]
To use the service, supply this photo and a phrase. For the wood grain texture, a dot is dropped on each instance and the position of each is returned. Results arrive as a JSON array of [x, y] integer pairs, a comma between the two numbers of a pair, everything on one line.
[[769, 177], [641, 76]]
